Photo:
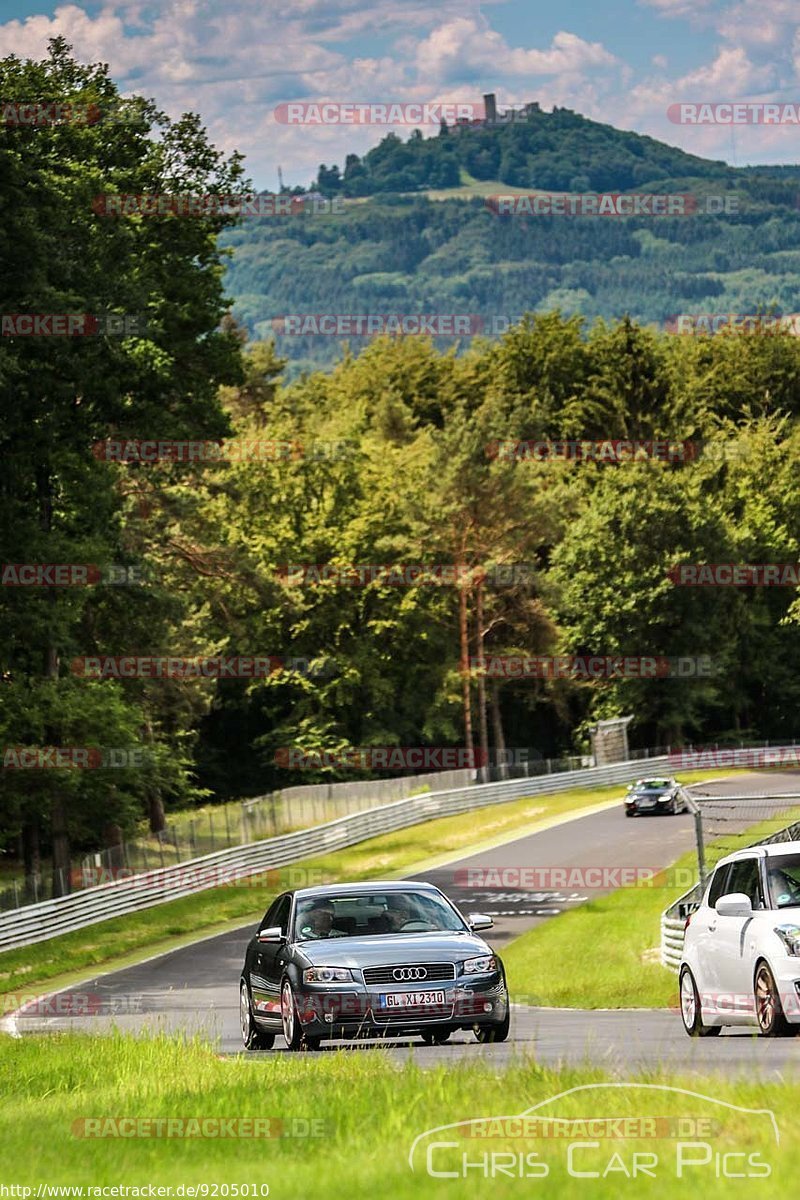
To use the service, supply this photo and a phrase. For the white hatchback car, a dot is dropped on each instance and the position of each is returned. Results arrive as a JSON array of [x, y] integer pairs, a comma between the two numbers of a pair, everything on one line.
[[741, 953]]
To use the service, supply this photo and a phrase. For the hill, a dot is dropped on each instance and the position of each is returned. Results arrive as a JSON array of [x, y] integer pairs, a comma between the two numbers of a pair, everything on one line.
[[416, 234]]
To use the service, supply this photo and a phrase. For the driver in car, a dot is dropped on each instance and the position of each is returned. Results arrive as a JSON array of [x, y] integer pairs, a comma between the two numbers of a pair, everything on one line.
[[398, 913], [319, 922]]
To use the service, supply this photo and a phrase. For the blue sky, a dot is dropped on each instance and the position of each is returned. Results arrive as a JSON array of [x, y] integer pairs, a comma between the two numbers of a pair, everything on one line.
[[623, 62]]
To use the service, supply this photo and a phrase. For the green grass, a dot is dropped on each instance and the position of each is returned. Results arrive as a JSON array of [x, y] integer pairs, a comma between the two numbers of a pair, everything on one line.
[[469, 188], [122, 940], [611, 944], [369, 1109]]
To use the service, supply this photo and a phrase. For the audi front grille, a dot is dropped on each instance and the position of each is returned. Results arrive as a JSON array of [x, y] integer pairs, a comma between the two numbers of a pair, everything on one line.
[[416, 974]]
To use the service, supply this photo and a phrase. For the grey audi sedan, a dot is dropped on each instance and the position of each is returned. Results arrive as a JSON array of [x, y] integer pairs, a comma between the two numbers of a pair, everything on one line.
[[370, 960]]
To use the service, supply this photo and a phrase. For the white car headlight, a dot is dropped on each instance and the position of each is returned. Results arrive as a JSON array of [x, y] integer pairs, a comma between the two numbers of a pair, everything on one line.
[[790, 936], [474, 966], [327, 975]]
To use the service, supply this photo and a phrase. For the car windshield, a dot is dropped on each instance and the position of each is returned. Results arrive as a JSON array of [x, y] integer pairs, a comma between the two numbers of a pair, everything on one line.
[[783, 874], [653, 785], [373, 914]]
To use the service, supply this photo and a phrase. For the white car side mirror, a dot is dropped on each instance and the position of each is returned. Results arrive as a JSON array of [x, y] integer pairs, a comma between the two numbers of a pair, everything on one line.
[[734, 905]]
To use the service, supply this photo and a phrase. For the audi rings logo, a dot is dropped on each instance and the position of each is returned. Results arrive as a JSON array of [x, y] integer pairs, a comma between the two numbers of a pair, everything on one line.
[[404, 973]]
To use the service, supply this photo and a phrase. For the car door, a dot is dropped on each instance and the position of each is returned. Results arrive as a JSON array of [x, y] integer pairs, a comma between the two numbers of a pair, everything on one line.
[[734, 942], [268, 960], [703, 926]]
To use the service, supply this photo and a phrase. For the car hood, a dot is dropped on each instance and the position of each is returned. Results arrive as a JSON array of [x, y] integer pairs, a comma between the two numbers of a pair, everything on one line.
[[392, 948]]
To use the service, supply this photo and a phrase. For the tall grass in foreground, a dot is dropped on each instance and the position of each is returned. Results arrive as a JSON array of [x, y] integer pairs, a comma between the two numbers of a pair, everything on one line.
[[370, 1110]]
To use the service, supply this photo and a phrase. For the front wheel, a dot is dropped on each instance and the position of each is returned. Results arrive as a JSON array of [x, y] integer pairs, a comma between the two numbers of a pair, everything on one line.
[[769, 1010], [496, 1032], [253, 1037], [691, 1013]]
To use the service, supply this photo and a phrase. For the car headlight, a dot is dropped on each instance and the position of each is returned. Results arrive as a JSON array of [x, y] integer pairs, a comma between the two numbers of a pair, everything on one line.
[[790, 936], [327, 975], [474, 966]]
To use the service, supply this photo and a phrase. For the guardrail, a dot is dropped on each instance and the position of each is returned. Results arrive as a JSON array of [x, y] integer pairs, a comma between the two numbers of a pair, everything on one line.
[[51, 918]]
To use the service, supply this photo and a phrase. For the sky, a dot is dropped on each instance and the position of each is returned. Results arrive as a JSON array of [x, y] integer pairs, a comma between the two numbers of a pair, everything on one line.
[[623, 62]]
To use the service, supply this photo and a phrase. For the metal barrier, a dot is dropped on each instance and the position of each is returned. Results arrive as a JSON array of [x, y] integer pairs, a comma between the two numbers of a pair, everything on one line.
[[51, 918]]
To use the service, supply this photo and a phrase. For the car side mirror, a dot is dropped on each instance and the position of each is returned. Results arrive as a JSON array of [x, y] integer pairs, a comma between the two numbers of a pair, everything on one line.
[[478, 921], [734, 905], [273, 934]]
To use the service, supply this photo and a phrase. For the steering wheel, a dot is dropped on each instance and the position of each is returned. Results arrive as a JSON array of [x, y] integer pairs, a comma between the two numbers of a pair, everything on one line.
[[417, 926]]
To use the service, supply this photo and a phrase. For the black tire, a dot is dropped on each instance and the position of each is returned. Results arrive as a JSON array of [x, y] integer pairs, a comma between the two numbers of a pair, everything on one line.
[[691, 1014], [253, 1037], [769, 1010], [629, 813], [435, 1037], [496, 1032]]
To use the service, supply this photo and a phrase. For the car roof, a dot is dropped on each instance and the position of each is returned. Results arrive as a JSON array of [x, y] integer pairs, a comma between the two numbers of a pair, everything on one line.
[[761, 851], [655, 781], [366, 889]]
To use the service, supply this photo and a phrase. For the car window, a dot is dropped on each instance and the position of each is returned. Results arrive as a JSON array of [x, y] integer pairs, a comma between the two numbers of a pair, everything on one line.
[[783, 873], [744, 877], [277, 914], [718, 884]]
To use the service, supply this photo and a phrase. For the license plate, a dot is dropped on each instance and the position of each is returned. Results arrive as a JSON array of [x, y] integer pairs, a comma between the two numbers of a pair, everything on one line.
[[647, 804], [410, 999]]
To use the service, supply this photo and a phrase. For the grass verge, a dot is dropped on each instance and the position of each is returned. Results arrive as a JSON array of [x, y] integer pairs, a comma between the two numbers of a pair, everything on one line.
[[368, 1112]]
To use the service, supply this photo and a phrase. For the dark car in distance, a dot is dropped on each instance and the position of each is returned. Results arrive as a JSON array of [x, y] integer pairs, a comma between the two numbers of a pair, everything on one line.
[[370, 960], [655, 797]]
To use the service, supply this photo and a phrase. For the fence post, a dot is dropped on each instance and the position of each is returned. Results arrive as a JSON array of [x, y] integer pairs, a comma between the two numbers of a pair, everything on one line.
[[227, 824], [211, 827]]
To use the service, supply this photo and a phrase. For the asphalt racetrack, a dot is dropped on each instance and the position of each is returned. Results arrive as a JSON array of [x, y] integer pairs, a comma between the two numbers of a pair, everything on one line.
[[194, 989]]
